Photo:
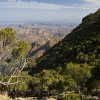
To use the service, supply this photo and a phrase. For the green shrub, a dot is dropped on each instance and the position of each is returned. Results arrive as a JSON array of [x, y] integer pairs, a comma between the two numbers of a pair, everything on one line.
[[71, 96]]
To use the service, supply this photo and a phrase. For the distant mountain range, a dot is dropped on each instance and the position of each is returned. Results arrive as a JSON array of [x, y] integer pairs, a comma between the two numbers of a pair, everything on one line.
[[42, 36]]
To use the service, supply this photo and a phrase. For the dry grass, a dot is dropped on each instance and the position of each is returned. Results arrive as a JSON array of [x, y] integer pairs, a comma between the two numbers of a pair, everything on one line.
[[4, 97]]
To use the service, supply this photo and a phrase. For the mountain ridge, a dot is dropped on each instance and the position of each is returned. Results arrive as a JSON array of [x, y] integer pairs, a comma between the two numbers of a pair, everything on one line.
[[80, 46]]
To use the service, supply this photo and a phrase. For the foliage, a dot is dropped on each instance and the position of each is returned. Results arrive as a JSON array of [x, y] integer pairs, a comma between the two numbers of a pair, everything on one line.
[[11, 68], [7, 35], [45, 80], [21, 49], [71, 96], [94, 81]]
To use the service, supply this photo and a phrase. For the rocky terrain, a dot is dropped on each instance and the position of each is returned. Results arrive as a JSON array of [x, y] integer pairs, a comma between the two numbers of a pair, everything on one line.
[[42, 33]]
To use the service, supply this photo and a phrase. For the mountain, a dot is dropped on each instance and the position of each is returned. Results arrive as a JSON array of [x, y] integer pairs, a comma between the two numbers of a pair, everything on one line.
[[81, 46], [42, 33], [42, 36]]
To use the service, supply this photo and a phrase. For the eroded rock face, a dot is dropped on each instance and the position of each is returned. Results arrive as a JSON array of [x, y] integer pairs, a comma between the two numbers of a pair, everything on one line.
[[43, 33]]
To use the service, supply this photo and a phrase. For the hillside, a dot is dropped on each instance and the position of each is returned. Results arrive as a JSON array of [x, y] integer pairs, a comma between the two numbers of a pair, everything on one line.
[[81, 46]]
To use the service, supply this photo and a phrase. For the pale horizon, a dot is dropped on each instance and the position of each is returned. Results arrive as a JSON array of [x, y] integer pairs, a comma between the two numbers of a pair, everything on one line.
[[69, 11]]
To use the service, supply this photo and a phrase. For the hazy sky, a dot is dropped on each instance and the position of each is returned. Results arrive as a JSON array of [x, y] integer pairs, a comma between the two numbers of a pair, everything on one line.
[[46, 10]]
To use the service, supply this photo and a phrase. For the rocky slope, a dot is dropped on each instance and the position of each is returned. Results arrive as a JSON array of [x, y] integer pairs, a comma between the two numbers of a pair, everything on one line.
[[81, 46]]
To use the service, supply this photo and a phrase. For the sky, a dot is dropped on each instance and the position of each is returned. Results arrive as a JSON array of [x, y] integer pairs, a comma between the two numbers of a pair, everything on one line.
[[67, 11]]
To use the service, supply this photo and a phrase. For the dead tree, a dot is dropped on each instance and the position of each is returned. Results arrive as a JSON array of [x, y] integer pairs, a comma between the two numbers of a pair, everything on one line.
[[15, 74]]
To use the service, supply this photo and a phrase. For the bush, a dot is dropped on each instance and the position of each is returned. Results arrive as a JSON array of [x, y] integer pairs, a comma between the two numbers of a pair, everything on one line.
[[71, 96]]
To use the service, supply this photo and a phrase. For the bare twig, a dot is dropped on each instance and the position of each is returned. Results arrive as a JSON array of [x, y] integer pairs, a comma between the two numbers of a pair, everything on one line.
[[15, 74]]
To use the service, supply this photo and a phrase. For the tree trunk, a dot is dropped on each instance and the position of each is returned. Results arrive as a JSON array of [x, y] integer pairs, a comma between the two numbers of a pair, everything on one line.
[[96, 91], [7, 90], [79, 92], [15, 86]]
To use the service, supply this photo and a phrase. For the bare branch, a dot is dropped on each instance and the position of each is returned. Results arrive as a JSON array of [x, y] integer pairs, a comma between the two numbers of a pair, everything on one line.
[[16, 83], [2, 83], [16, 71], [6, 83]]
